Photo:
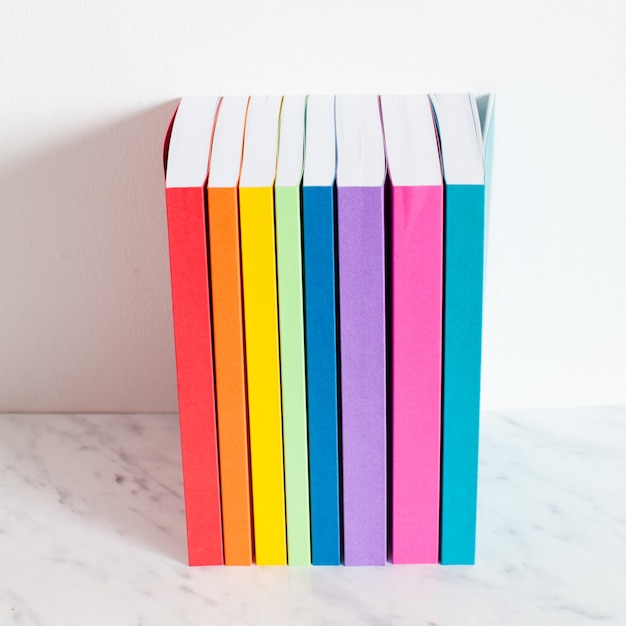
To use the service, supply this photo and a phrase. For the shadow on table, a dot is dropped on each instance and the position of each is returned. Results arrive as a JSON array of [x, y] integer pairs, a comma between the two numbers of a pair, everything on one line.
[[80, 474]]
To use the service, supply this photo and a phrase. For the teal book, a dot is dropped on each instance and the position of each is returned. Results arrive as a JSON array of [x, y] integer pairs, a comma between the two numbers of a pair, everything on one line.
[[291, 328], [462, 156]]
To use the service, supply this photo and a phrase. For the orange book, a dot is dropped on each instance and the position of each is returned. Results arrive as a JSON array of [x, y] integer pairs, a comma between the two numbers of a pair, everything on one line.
[[228, 332]]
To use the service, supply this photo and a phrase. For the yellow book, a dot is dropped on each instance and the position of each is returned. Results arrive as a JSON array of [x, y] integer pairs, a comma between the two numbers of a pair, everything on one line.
[[258, 260]]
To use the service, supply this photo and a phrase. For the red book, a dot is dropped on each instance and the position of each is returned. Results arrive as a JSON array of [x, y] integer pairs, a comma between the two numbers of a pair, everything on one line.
[[185, 187]]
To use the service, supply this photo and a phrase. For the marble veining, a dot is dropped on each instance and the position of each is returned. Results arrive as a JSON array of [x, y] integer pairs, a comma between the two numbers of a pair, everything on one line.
[[92, 532]]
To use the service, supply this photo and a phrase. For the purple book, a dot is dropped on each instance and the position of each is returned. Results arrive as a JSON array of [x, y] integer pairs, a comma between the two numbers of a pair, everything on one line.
[[361, 252]]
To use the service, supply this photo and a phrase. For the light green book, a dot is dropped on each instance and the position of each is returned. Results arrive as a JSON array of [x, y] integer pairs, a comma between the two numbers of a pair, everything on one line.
[[291, 328]]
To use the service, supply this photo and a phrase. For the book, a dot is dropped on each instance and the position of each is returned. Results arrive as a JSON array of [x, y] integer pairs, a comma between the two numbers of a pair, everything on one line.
[[361, 174], [320, 284], [258, 260], [185, 192], [328, 357], [291, 326], [461, 145], [416, 239], [228, 333]]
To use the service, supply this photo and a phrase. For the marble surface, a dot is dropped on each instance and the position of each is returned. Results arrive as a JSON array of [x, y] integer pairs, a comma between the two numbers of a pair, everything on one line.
[[92, 532]]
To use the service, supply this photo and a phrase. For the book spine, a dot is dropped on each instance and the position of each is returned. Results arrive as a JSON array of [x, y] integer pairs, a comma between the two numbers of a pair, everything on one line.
[[363, 373], [293, 377], [463, 293], [318, 217], [258, 259], [416, 336], [230, 374], [194, 367]]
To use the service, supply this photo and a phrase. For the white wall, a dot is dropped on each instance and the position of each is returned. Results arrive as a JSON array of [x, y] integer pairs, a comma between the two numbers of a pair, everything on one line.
[[87, 91]]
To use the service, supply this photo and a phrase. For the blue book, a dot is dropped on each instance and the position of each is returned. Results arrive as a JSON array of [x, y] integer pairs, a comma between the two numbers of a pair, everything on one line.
[[318, 226], [462, 155]]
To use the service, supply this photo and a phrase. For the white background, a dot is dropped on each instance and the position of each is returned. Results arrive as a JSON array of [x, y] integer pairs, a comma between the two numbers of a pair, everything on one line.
[[88, 89]]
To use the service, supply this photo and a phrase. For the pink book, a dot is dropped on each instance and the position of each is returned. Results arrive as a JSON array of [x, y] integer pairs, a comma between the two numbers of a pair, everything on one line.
[[416, 325]]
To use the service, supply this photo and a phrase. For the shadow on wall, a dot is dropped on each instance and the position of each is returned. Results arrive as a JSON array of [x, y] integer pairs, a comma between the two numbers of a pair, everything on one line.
[[85, 323]]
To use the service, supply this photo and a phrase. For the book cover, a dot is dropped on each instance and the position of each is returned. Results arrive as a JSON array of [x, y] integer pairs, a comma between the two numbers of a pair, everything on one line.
[[291, 326], [320, 284], [228, 333], [361, 250], [416, 255], [461, 146], [258, 259], [185, 182]]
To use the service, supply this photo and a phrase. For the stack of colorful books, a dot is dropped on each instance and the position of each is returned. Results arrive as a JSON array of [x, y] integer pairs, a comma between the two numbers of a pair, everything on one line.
[[327, 259]]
